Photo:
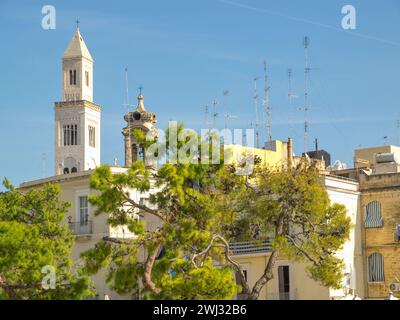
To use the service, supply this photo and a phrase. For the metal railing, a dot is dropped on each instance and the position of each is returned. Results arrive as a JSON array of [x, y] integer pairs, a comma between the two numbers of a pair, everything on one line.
[[249, 247], [81, 228]]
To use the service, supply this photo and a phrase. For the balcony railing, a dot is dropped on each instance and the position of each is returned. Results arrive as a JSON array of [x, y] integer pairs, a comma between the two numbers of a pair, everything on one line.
[[81, 228], [249, 247]]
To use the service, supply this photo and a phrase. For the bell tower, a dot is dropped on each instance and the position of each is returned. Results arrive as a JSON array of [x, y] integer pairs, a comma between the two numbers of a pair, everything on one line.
[[77, 71], [144, 121], [77, 117]]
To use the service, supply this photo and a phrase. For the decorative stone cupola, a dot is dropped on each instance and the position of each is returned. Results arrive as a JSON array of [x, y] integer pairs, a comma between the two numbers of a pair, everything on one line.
[[144, 121]]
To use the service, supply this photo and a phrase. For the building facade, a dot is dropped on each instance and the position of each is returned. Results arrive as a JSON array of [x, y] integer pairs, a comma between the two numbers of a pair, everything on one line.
[[378, 172]]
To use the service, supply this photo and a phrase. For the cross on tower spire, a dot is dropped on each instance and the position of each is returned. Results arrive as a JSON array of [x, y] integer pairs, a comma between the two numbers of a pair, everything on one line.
[[77, 23]]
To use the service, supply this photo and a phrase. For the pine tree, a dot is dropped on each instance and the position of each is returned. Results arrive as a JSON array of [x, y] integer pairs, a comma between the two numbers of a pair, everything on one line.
[[35, 246]]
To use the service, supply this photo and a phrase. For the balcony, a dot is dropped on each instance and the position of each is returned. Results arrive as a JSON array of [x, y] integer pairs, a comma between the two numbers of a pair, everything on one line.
[[249, 247], [81, 228]]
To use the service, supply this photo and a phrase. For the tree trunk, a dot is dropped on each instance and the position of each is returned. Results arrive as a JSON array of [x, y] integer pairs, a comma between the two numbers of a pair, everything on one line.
[[267, 276], [148, 268], [268, 271]]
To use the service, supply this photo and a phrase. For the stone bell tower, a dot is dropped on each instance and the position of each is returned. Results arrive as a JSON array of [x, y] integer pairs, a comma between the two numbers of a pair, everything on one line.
[[144, 121], [77, 117]]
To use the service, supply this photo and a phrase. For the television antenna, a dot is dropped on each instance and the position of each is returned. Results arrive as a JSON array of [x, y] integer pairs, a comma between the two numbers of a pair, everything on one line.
[[306, 44], [255, 97], [290, 93], [215, 113], [266, 104]]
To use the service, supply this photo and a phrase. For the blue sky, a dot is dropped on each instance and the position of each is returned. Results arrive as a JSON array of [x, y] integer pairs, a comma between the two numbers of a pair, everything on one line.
[[185, 54]]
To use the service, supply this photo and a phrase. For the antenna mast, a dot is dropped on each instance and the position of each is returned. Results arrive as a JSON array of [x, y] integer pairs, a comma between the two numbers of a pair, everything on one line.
[[126, 88], [398, 129], [126, 104], [256, 110], [290, 92], [306, 44], [215, 113], [44, 156], [266, 104], [206, 116]]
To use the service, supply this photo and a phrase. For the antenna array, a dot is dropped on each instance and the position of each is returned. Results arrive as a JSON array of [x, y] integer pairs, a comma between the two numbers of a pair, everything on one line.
[[266, 104], [306, 44], [256, 111]]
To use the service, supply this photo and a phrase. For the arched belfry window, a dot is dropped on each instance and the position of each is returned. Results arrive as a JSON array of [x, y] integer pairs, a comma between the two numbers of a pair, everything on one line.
[[142, 153], [373, 215], [375, 266], [70, 132], [72, 77]]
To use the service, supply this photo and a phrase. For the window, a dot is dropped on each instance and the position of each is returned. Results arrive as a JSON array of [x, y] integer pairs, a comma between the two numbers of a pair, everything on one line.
[[87, 78], [92, 136], [284, 282], [72, 77], [373, 217], [375, 268], [70, 134], [66, 170], [74, 169], [83, 210]]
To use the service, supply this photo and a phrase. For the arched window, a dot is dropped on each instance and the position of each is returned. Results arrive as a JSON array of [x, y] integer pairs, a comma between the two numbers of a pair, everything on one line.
[[74, 169], [142, 153], [373, 216], [71, 80], [375, 268], [66, 170], [74, 77]]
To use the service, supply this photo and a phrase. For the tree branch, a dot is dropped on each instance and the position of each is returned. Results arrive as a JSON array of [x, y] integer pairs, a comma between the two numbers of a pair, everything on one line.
[[148, 268]]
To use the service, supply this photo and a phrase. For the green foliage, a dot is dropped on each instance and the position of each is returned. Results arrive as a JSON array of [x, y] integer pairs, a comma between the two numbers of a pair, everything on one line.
[[291, 207], [203, 283], [191, 207], [32, 236], [198, 209]]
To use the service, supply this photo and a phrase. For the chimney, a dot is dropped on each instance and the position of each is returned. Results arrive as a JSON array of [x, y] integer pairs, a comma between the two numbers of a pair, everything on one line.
[[290, 152]]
